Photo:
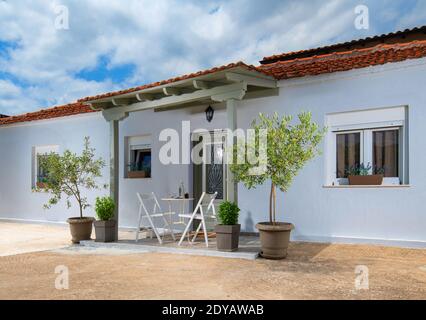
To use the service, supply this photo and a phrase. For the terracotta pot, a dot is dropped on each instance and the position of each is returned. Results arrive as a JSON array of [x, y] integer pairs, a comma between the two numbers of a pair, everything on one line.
[[227, 237], [136, 174], [81, 228], [370, 180], [274, 239], [41, 184], [104, 230]]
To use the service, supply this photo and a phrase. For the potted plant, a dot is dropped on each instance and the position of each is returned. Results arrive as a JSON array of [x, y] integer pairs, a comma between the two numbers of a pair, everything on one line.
[[360, 175], [41, 182], [288, 148], [69, 174], [228, 231], [137, 171], [105, 226]]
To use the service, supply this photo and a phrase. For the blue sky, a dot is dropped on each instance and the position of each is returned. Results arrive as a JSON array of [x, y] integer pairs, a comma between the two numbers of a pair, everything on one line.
[[115, 44]]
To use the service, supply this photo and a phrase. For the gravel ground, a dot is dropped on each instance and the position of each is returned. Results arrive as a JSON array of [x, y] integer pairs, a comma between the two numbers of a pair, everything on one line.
[[311, 271]]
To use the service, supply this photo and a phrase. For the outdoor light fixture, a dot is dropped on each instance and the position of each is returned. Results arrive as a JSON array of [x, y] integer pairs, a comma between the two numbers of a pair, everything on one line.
[[209, 114]]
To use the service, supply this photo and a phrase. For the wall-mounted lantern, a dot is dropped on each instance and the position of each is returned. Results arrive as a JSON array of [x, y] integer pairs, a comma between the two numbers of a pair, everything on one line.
[[209, 114]]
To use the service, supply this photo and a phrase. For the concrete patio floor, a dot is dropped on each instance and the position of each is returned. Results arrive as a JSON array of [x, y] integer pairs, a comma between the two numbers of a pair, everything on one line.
[[18, 237], [311, 271], [248, 245]]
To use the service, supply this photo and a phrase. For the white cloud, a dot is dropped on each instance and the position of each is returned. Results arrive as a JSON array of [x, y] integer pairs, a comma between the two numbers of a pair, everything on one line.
[[162, 38], [12, 98]]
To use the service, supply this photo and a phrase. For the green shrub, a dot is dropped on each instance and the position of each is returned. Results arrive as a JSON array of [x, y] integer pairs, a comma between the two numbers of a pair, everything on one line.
[[104, 208], [228, 213]]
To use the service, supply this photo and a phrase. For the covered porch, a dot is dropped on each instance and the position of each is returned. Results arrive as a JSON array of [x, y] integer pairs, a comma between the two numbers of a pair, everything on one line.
[[223, 88]]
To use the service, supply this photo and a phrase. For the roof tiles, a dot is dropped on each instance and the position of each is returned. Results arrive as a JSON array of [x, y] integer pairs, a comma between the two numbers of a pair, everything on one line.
[[344, 61], [49, 113]]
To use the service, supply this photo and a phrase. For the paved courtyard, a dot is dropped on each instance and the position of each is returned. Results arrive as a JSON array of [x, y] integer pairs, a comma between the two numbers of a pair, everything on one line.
[[311, 271]]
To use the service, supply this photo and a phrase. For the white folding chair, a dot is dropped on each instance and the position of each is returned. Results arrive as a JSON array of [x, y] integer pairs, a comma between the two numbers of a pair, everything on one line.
[[206, 201], [149, 215]]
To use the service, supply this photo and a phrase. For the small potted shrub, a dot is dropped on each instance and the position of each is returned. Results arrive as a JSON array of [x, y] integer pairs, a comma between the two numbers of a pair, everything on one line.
[[105, 226], [228, 231], [360, 175], [70, 175]]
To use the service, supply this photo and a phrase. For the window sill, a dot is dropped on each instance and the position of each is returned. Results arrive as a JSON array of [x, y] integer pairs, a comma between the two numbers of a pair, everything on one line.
[[390, 186], [38, 191]]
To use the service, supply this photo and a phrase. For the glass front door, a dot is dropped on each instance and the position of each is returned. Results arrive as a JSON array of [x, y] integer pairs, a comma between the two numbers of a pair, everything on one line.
[[212, 176]]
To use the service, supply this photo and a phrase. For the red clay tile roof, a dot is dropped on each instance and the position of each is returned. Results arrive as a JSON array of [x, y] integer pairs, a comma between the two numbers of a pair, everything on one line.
[[343, 61], [321, 64], [408, 35], [171, 80], [55, 112]]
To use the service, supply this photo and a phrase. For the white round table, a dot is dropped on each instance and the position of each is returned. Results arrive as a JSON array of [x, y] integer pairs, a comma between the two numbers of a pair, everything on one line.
[[181, 202]]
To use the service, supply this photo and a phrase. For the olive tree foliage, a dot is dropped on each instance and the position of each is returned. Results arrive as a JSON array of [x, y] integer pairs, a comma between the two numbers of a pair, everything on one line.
[[70, 174], [289, 147]]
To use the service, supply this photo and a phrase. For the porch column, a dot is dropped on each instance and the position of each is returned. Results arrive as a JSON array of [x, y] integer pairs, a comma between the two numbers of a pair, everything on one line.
[[231, 186], [114, 169], [114, 152]]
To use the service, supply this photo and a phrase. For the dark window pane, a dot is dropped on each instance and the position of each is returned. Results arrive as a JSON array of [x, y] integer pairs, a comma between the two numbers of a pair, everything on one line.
[[141, 161], [348, 149], [214, 170], [385, 152], [42, 174]]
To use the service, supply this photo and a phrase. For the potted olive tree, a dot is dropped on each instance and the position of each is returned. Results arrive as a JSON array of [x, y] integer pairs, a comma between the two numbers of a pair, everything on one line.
[[228, 231], [289, 147], [69, 175], [105, 226]]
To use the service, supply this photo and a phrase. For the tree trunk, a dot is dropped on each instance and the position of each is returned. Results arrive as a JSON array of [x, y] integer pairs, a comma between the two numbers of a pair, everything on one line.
[[81, 211], [274, 201], [272, 204]]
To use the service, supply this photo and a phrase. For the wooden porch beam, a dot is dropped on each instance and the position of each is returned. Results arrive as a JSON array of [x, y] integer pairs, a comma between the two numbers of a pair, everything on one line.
[[237, 89], [144, 96], [199, 84], [101, 105], [170, 91], [250, 80], [114, 116], [122, 101], [261, 93]]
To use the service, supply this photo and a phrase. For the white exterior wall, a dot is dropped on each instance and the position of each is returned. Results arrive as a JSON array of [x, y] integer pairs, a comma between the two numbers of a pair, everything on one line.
[[17, 199], [164, 179], [384, 215]]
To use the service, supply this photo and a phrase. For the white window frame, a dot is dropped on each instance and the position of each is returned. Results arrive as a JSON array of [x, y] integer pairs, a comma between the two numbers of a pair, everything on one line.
[[40, 150], [139, 142], [366, 152], [366, 122]]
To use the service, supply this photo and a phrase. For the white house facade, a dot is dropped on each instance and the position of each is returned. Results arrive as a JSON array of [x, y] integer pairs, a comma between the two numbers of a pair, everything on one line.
[[373, 112]]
